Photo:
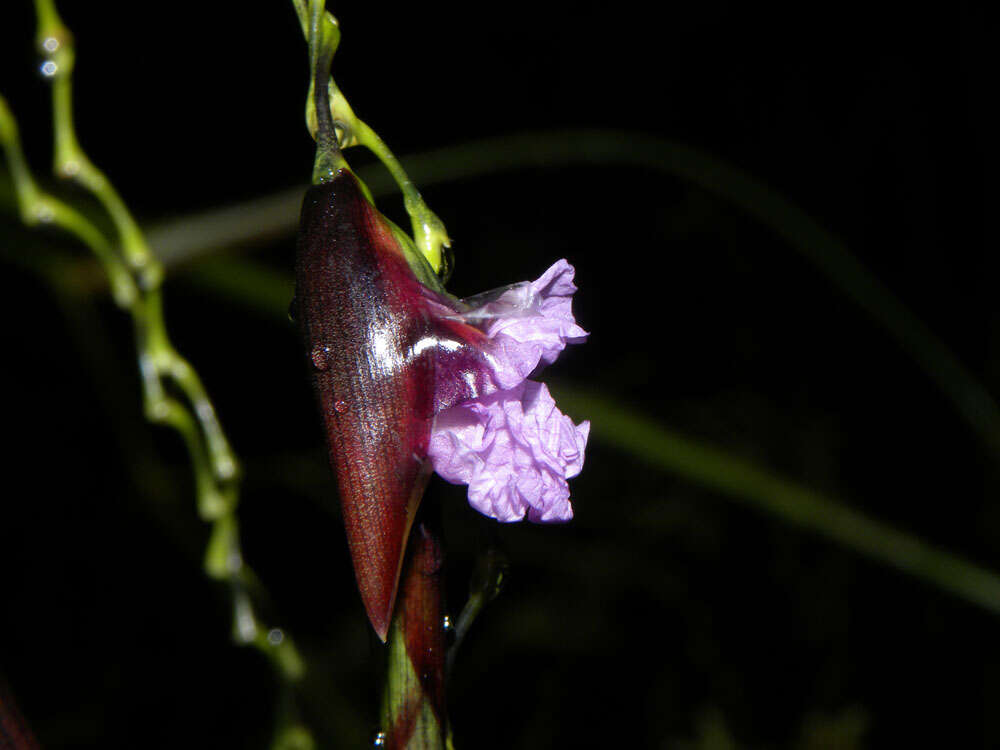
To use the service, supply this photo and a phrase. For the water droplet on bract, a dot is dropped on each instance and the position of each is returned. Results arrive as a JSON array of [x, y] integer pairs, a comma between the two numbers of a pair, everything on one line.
[[340, 406], [293, 309], [275, 636], [319, 357], [446, 624], [51, 44], [380, 739], [49, 69]]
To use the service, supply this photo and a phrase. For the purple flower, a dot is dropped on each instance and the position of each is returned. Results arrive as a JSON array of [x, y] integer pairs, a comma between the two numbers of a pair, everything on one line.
[[512, 446]]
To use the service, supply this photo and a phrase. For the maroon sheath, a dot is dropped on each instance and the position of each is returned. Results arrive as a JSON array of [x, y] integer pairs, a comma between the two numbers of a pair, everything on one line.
[[360, 310]]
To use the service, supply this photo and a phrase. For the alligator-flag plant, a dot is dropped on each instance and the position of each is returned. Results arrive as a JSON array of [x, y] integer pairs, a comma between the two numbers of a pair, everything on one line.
[[410, 380]]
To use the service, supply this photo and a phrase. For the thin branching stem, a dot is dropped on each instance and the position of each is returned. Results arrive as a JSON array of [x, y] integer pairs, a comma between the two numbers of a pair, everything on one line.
[[173, 394], [429, 233]]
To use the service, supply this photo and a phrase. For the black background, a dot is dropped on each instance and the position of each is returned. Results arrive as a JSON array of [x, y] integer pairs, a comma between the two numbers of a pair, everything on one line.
[[664, 615]]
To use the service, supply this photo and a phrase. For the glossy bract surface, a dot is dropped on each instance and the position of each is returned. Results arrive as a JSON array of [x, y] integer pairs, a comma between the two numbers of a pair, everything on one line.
[[369, 341]]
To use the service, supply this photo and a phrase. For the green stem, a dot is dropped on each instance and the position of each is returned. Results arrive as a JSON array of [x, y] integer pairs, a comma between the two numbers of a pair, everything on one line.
[[323, 38], [70, 162], [332, 122], [135, 280], [429, 232], [39, 208], [488, 580]]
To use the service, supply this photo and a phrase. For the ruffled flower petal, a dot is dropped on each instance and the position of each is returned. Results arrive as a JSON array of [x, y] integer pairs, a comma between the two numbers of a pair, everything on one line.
[[515, 450], [530, 324], [496, 340]]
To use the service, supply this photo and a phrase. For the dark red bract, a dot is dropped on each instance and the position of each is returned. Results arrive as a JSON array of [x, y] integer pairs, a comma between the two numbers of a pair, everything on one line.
[[385, 356], [360, 313]]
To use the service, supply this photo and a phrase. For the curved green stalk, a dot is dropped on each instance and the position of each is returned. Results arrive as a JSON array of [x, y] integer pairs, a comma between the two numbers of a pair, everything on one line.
[[159, 358], [37, 207], [322, 34], [488, 580], [173, 393]]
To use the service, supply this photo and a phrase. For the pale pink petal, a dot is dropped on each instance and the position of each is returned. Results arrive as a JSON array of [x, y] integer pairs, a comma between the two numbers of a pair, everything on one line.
[[526, 341], [526, 325], [515, 450]]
